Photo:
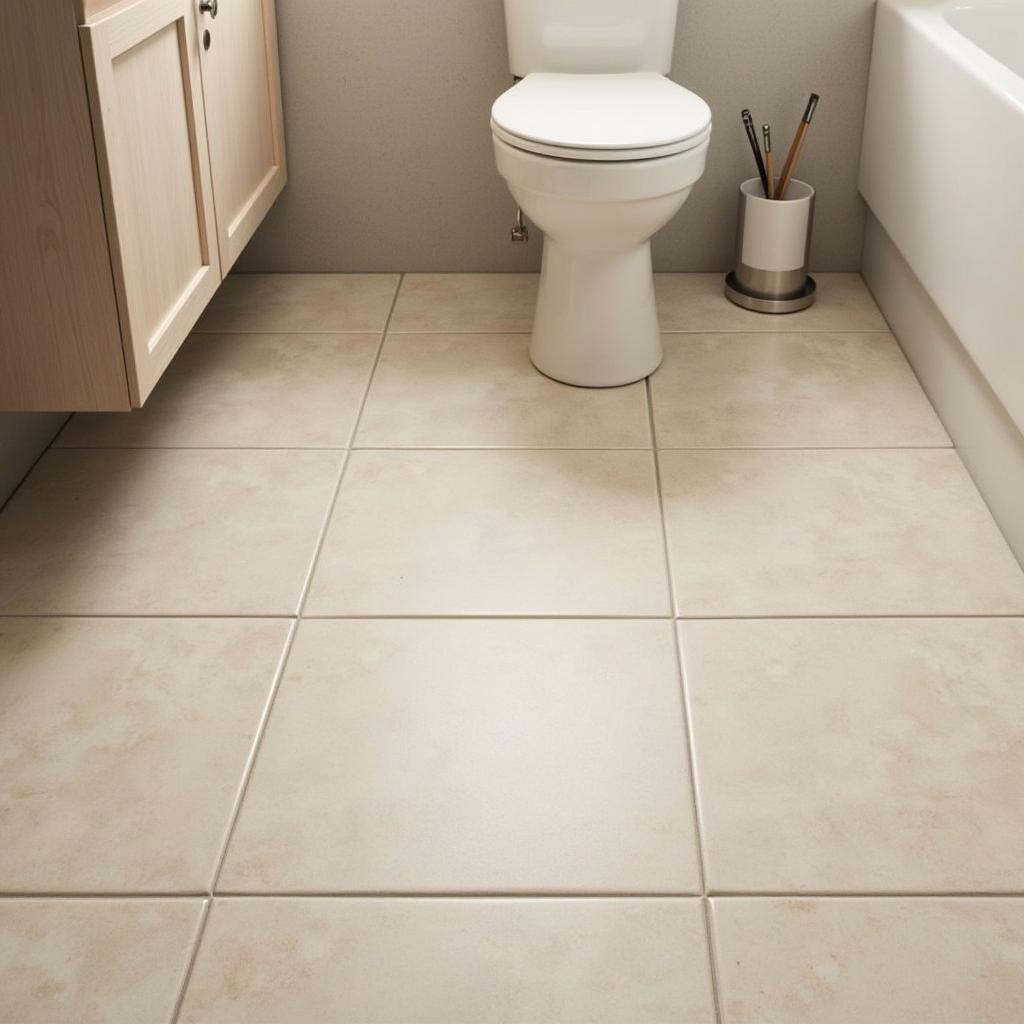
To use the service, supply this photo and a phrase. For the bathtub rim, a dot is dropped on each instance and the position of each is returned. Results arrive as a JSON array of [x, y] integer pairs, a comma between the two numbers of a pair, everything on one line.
[[930, 17]]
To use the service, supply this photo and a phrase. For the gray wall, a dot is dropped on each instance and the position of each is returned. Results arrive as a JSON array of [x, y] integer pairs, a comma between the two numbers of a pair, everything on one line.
[[391, 168]]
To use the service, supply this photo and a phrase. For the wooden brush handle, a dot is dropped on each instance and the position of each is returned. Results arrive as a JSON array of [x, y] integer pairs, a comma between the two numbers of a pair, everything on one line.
[[794, 156]]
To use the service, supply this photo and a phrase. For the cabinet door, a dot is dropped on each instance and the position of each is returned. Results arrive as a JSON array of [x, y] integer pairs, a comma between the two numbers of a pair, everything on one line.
[[242, 92], [142, 65]]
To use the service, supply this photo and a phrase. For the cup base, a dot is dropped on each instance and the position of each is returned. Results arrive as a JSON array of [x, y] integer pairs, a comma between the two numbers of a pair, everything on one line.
[[735, 294]]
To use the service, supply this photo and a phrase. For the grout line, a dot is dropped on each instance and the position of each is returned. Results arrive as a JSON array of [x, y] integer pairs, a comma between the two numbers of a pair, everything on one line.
[[507, 894], [814, 448], [250, 763], [749, 330], [196, 332], [457, 894], [687, 723], [189, 967], [840, 617], [497, 616], [652, 434], [532, 894], [484, 616], [440, 332], [518, 616], [868, 894], [755, 332], [200, 448], [712, 946], [303, 597], [498, 448], [467, 332], [197, 894], [695, 789], [945, 447], [163, 616]]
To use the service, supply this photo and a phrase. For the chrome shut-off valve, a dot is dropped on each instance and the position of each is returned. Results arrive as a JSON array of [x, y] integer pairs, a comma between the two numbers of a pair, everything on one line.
[[520, 232]]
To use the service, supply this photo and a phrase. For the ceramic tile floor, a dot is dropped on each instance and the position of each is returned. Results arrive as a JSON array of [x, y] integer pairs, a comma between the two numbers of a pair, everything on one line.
[[368, 676]]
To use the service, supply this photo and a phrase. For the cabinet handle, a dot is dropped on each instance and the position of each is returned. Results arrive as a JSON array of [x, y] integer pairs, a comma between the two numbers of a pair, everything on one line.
[[208, 7]]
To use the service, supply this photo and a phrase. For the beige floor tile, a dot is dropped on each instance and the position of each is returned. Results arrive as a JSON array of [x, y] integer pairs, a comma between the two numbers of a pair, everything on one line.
[[93, 961], [295, 303], [833, 533], [247, 391], [164, 532], [122, 746], [870, 755], [472, 756], [437, 391], [473, 303], [494, 533], [870, 961], [790, 390], [696, 302], [437, 961]]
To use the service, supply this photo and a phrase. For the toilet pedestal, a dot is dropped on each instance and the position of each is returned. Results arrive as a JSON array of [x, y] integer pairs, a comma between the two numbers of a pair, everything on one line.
[[596, 323]]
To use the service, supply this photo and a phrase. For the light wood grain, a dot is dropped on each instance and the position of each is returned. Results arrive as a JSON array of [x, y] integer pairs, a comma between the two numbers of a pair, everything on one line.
[[90, 10], [242, 90], [60, 343], [142, 64]]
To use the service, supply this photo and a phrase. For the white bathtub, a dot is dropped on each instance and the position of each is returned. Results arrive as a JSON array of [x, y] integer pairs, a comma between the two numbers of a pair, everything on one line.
[[943, 168], [995, 28], [943, 174]]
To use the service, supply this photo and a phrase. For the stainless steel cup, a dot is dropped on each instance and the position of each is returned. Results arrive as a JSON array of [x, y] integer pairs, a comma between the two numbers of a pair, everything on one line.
[[773, 243]]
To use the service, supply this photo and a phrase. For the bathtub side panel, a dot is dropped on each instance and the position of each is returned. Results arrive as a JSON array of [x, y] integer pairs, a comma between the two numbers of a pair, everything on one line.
[[941, 170], [989, 442]]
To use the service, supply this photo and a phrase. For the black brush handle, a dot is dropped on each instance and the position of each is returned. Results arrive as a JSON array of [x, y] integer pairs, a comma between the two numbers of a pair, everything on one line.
[[748, 123]]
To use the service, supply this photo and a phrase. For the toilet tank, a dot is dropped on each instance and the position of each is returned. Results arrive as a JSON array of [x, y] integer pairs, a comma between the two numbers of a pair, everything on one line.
[[590, 36]]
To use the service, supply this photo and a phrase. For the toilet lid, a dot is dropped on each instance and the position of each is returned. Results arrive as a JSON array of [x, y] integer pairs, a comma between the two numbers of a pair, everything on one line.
[[622, 117]]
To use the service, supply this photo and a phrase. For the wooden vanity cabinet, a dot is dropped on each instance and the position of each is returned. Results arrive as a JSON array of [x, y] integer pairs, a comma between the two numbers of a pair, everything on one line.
[[146, 93], [138, 163], [242, 85]]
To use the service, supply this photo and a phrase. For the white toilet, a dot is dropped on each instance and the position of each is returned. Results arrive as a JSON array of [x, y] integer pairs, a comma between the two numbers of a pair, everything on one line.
[[600, 150]]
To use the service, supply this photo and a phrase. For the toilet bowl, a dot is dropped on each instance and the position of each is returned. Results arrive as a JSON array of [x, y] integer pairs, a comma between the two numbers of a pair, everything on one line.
[[599, 163]]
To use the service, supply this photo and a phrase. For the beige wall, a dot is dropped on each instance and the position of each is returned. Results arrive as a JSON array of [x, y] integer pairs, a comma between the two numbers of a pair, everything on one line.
[[386, 110]]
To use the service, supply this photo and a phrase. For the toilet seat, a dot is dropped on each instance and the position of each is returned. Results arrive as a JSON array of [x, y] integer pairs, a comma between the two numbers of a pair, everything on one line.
[[618, 117]]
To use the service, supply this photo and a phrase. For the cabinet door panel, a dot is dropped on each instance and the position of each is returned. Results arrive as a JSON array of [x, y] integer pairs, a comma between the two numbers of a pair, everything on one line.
[[242, 92], [142, 63]]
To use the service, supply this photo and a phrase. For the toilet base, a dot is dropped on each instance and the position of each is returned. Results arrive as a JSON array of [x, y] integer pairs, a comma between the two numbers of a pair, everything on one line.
[[596, 324]]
